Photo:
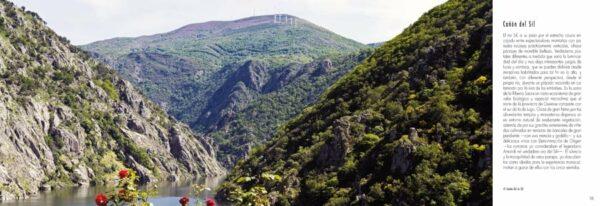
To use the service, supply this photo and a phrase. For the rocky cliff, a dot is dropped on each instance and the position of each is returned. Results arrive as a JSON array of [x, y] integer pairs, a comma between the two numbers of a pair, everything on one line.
[[67, 120]]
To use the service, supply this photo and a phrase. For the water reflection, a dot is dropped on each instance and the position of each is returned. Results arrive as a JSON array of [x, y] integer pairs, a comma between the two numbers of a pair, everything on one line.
[[168, 194]]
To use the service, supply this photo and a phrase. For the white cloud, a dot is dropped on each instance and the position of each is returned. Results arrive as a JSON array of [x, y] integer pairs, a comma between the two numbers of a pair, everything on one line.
[[84, 21]]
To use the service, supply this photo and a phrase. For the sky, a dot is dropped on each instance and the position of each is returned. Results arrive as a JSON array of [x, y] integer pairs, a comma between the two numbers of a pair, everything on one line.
[[86, 21]]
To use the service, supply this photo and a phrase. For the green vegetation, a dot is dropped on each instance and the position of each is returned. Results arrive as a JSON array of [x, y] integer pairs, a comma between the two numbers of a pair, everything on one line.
[[191, 73], [411, 125], [256, 122], [256, 195], [63, 76], [28, 85], [108, 87], [107, 123], [126, 191]]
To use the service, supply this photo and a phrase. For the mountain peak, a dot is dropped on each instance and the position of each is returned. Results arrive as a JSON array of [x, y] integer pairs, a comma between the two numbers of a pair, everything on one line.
[[256, 35], [219, 27]]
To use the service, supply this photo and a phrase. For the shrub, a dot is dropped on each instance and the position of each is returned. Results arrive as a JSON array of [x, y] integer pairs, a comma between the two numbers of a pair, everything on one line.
[[257, 195], [481, 80], [28, 85], [367, 142], [64, 76], [108, 87]]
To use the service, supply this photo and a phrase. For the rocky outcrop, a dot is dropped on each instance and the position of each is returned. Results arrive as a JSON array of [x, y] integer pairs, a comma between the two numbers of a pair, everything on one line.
[[253, 74], [234, 95], [66, 120], [324, 67], [402, 159], [334, 151], [347, 131]]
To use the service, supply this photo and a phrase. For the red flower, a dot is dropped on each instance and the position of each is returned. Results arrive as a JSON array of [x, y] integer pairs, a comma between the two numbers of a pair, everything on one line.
[[184, 200], [210, 202], [123, 173], [101, 200]]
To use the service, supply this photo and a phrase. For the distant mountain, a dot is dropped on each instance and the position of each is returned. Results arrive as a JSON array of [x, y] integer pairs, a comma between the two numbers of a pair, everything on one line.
[[221, 41], [205, 74], [66, 119], [410, 125]]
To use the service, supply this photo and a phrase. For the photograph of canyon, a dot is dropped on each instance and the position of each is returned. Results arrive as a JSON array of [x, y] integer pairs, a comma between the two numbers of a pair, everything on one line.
[[245, 102]]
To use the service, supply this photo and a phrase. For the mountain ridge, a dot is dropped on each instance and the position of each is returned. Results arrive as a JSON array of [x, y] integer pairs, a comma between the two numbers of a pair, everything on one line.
[[212, 28], [243, 23]]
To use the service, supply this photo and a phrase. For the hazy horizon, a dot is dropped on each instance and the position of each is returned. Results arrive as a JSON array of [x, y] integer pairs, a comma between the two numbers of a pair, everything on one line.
[[86, 21]]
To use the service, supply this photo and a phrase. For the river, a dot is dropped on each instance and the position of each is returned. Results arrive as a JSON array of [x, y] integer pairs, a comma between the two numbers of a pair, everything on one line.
[[169, 194]]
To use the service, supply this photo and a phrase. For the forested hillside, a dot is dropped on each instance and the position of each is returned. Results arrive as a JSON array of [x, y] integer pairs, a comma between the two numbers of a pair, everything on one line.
[[411, 125]]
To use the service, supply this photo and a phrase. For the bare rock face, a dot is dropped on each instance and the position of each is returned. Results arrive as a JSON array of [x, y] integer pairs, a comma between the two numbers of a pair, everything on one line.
[[413, 134], [66, 120], [333, 153], [136, 125], [253, 74], [402, 159], [234, 95], [324, 67]]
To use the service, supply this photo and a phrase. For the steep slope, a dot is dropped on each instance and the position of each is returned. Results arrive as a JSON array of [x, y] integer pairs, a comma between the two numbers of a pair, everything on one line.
[[209, 74], [66, 119], [412, 125], [256, 99]]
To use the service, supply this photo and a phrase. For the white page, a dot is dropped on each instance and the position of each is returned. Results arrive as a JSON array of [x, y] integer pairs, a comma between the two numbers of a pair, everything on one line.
[[552, 187]]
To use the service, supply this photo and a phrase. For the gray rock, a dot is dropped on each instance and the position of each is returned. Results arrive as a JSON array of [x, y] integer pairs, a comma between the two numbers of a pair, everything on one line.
[[324, 67], [81, 176], [136, 125], [413, 134], [172, 178], [46, 188], [334, 151], [402, 160]]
